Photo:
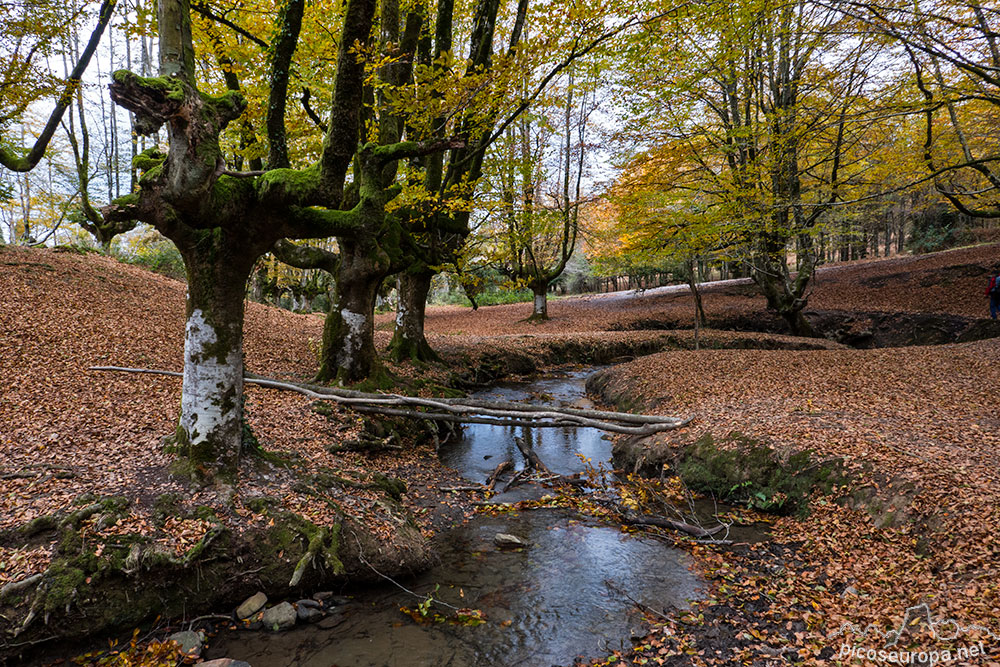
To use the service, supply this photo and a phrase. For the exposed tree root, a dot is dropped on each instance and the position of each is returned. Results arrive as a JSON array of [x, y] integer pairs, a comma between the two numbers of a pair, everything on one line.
[[16, 587], [315, 546]]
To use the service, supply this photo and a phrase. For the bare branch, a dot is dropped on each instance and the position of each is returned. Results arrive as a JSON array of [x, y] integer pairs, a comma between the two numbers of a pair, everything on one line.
[[460, 410]]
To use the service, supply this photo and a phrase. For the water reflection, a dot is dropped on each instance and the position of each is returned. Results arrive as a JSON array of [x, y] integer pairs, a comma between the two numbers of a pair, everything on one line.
[[566, 595], [483, 446]]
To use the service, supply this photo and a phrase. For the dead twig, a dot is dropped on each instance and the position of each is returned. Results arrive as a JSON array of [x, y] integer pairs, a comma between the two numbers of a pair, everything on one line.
[[501, 468], [663, 522]]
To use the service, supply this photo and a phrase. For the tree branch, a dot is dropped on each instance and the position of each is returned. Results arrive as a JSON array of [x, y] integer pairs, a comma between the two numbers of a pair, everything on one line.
[[28, 162], [305, 257], [459, 410]]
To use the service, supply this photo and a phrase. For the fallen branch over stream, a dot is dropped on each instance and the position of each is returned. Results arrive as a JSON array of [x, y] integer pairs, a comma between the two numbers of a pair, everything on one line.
[[464, 410], [663, 522]]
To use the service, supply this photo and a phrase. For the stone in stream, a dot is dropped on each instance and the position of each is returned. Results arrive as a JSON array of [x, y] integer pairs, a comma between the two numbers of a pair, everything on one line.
[[330, 600], [189, 641], [508, 541], [331, 620], [308, 611], [251, 605], [279, 617], [224, 662]]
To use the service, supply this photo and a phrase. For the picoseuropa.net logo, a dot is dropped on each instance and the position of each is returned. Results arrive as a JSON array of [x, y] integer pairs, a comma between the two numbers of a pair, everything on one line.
[[919, 639]]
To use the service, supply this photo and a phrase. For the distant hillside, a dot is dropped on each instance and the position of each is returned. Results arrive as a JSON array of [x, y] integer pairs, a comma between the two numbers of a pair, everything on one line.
[[950, 282]]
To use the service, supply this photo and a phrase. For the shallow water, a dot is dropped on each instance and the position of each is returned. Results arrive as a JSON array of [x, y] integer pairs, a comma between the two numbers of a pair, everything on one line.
[[566, 595], [483, 446]]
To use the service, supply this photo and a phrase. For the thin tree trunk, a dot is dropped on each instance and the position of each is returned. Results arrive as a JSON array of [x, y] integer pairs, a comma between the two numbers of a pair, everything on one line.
[[699, 310], [540, 310]]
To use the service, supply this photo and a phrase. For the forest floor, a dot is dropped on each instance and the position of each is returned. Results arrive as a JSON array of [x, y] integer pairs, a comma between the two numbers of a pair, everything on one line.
[[917, 427]]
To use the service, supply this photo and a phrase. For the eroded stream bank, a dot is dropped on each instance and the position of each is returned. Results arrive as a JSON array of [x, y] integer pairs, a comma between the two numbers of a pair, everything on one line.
[[570, 593]]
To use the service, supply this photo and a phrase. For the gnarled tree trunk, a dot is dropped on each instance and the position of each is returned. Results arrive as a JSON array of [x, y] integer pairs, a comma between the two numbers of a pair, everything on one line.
[[787, 298], [348, 353], [408, 340], [210, 428]]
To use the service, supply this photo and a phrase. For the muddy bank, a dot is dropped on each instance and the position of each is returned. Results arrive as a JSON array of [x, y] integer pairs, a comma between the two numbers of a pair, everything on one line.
[[110, 571], [481, 362]]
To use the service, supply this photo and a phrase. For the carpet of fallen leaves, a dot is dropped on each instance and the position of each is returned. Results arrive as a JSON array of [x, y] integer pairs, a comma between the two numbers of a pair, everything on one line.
[[918, 428], [66, 432], [950, 282]]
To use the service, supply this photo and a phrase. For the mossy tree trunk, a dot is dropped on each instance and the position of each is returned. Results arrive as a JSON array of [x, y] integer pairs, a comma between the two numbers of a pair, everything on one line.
[[348, 354], [210, 428], [443, 234], [408, 340], [222, 221], [785, 293], [788, 306]]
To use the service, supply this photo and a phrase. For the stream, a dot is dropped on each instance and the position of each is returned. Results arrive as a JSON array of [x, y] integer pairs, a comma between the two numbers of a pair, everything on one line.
[[565, 596]]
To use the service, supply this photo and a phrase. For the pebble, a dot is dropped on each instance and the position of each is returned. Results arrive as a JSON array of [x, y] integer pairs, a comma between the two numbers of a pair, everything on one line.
[[279, 617], [509, 541]]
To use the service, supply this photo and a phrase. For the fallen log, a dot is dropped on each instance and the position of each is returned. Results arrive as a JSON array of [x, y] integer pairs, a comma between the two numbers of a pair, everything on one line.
[[531, 459], [460, 410], [663, 522], [501, 468]]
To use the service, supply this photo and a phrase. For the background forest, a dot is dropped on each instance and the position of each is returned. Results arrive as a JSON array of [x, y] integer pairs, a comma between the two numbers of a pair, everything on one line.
[[652, 154]]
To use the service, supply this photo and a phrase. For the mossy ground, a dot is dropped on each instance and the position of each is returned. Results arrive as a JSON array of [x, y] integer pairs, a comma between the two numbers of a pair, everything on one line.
[[110, 572]]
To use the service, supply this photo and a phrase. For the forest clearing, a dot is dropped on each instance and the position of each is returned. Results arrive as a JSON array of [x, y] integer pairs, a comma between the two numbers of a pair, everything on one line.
[[520, 332]]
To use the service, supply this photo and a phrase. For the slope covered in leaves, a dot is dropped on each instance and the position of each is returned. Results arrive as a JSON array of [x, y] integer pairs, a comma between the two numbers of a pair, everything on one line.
[[919, 431], [918, 427], [949, 282], [67, 434]]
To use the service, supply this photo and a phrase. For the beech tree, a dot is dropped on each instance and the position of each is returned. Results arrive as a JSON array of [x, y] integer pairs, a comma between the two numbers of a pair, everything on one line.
[[954, 49], [471, 102], [444, 232], [89, 217], [536, 176], [366, 255], [221, 221], [440, 221], [762, 107]]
